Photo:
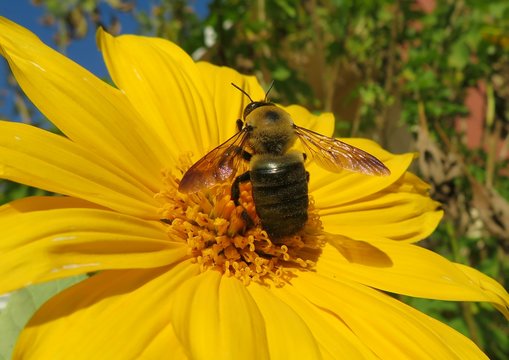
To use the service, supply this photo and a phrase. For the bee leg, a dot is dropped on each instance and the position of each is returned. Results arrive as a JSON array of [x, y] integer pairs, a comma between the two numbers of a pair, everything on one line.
[[307, 176], [305, 156], [246, 156], [235, 193], [236, 186], [249, 222], [240, 124]]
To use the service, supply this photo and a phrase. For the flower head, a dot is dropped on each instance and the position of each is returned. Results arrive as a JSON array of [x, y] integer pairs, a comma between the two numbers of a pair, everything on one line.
[[187, 275]]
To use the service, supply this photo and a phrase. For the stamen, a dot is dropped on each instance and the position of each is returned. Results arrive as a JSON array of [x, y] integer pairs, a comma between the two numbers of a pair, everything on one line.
[[219, 237]]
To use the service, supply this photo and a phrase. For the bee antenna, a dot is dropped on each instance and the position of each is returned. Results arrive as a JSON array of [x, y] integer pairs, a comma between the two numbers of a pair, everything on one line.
[[268, 91], [242, 91]]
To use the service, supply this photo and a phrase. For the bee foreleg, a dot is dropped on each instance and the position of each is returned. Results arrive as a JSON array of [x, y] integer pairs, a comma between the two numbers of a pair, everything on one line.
[[240, 124], [235, 192], [245, 155]]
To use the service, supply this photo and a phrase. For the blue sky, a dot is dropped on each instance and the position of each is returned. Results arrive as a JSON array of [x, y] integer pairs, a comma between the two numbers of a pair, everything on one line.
[[83, 51]]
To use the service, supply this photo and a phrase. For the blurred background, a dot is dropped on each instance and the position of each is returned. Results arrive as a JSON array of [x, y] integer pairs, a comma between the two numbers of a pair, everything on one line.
[[430, 77]]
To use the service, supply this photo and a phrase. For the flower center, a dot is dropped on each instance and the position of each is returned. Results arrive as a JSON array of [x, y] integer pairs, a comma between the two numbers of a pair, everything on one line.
[[220, 238]]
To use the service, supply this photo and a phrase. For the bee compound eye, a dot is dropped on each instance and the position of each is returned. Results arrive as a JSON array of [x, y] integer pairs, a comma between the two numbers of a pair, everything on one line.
[[249, 108]]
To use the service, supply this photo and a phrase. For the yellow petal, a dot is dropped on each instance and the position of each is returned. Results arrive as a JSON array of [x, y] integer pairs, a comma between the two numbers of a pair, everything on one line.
[[43, 245], [85, 108], [112, 315], [402, 211], [400, 268], [164, 344], [169, 92], [330, 189], [323, 123], [214, 317], [499, 295], [391, 329], [229, 103], [44, 160], [336, 340], [288, 335], [38, 203]]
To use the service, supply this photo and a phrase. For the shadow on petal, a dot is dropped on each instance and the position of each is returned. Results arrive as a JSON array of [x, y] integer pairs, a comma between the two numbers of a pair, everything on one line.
[[106, 307], [106, 285], [359, 252]]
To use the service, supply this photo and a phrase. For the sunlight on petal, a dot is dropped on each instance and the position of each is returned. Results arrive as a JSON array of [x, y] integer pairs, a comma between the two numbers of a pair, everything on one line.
[[402, 211], [229, 103], [499, 295], [398, 331], [330, 189], [29, 156], [65, 242], [109, 308], [82, 106], [39, 203], [279, 318], [215, 317], [164, 344], [399, 268], [169, 93], [336, 340], [322, 123]]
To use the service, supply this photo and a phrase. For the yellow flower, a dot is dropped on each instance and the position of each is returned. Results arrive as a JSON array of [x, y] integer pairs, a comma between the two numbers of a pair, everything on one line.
[[178, 275]]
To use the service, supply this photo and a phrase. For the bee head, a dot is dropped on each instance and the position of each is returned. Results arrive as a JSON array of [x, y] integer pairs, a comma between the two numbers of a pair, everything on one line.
[[255, 104]]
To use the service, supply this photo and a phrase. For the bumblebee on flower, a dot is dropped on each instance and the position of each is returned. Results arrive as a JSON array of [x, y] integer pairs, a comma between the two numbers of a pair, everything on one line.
[[203, 283]]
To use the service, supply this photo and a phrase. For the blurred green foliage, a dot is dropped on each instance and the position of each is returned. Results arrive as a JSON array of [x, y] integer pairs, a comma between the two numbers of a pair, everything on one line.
[[426, 76]]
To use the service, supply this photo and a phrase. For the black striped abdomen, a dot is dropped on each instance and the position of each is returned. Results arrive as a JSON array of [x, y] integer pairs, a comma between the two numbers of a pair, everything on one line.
[[280, 194]]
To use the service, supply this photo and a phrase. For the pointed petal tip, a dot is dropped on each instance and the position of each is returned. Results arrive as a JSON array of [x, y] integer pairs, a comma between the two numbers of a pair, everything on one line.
[[100, 35]]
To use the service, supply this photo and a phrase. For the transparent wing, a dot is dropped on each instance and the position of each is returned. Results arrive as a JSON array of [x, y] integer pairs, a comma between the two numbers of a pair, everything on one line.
[[335, 155], [219, 165]]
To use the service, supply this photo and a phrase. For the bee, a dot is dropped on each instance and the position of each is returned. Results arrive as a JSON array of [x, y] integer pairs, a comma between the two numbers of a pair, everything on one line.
[[278, 177]]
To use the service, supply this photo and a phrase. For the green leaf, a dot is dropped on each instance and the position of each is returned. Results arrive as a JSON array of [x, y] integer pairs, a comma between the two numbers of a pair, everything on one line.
[[287, 8], [21, 305], [459, 56], [281, 73]]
